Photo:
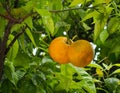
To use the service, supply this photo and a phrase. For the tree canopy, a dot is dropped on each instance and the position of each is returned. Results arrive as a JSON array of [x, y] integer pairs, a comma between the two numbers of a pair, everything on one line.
[[28, 26]]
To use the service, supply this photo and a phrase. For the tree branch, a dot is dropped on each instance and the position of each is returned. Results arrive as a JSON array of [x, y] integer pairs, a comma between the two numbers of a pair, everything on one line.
[[14, 39], [56, 11], [3, 44]]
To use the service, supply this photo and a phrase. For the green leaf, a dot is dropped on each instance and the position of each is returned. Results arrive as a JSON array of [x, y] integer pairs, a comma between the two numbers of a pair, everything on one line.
[[6, 86], [22, 41], [95, 65], [98, 2], [10, 72], [116, 71], [28, 32], [26, 86], [113, 25], [22, 59], [99, 26], [104, 35], [16, 27], [47, 20], [3, 23], [29, 22], [72, 77], [76, 2], [90, 15], [112, 84], [117, 64], [14, 49], [86, 26], [116, 48]]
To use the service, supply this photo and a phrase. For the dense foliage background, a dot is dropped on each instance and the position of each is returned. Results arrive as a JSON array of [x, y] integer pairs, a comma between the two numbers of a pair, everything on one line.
[[28, 26]]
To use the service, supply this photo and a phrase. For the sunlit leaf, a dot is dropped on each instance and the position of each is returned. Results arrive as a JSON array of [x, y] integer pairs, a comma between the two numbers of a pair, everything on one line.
[[99, 26], [76, 2], [29, 22], [99, 72], [95, 65], [14, 49], [116, 71], [117, 64], [90, 15], [113, 25], [47, 20], [30, 36], [104, 35]]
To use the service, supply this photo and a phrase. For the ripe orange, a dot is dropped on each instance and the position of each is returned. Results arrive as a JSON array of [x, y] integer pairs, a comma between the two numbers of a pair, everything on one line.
[[80, 53], [58, 50]]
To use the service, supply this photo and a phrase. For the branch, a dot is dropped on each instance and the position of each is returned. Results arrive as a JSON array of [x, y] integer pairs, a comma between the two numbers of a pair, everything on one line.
[[14, 39], [26, 16], [56, 11], [3, 44]]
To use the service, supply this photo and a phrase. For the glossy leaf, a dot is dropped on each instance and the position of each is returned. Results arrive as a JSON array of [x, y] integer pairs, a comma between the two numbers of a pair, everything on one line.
[[28, 32], [94, 65], [29, 22], [113, 25], [76, 2], [47, 20], [14, 49], [104, 35], [90, 15]]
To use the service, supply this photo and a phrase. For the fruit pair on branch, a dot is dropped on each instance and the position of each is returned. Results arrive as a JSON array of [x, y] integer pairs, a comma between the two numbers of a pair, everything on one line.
[[80, 53]]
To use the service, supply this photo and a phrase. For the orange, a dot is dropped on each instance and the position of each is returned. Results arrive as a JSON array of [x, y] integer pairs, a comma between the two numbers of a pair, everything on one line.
[[58, 50], [80, 53]]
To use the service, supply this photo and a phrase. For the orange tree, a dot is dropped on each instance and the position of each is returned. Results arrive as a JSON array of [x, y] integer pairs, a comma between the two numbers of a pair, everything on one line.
[[28, 26]]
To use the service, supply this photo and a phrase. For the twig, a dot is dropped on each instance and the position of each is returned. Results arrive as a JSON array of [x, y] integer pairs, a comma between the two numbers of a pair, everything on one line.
[[103, 59], [55, 11]]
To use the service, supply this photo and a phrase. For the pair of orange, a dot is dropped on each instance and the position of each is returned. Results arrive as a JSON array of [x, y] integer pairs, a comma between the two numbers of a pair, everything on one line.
[[80, 53]]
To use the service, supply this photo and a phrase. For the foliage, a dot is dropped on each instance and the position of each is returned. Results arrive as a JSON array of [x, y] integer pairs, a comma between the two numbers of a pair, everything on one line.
[[33, 24]]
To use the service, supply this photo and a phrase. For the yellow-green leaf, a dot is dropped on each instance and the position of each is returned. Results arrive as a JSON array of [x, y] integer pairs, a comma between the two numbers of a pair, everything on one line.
[[104, 35], [47, 20], [13, 50], [30, 36], [99, 72], [76, 2]]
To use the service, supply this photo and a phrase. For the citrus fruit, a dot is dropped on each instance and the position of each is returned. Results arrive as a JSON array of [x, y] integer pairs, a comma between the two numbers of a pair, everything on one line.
[[80, 53], [58, 50]]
